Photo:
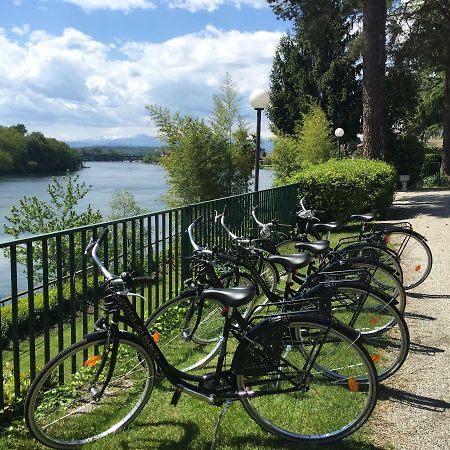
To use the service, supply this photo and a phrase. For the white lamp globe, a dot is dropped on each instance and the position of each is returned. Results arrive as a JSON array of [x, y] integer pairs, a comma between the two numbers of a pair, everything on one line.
[[259, 99], [339, 132]]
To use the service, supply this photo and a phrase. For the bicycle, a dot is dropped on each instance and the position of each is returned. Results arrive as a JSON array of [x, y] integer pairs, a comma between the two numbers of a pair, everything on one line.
[[193, 341], [304, 363]]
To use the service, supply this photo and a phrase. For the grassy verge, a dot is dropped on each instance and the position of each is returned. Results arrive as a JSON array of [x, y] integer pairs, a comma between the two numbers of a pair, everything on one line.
[[190, 425]]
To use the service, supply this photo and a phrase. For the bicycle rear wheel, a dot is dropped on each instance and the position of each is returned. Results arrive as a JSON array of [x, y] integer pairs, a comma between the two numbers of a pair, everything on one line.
[[61, 409], [321, 389]]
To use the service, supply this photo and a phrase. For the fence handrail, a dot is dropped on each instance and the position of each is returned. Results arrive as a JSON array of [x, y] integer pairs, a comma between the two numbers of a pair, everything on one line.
[[126, 219]]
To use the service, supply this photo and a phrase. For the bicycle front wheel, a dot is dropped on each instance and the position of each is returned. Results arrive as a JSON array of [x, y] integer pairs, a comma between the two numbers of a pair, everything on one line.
[[73, 402], [415, 256], [322, 389]]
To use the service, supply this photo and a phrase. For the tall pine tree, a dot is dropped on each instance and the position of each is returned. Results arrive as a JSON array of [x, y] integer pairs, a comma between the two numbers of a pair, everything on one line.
[[314, 64]]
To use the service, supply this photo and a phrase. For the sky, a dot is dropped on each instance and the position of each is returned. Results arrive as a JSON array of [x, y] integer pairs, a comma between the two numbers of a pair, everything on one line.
[[85, 69]]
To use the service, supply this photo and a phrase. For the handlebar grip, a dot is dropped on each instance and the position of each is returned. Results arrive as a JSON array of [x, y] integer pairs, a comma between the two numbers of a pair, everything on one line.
[[143, 280], [198, 219]]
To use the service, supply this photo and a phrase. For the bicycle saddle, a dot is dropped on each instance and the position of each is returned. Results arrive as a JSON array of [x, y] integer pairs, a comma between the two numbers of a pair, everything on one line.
[[330, 226], [363, 217], [236, 296], [291, 262], [316, 248]]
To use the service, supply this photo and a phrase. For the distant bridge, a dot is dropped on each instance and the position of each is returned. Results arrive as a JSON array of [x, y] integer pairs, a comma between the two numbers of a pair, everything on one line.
[[112, 157]]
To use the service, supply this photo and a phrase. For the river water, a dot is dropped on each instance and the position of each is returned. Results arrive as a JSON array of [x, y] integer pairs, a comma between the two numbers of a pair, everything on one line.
[[145, 181]]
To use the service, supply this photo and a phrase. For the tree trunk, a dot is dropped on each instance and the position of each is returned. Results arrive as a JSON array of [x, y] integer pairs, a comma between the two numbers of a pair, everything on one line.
[[374, 62], [446, 122]]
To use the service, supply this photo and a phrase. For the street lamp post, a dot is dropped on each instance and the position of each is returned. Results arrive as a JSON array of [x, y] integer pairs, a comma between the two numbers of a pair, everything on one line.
[[339, 132], [259, 99]]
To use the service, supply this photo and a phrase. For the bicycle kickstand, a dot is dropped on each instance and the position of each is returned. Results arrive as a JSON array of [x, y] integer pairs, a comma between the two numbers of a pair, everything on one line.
[[225, 408]]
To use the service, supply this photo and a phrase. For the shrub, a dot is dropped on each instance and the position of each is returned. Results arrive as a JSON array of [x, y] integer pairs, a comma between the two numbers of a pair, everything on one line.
[[406, 153], [348, 186], [23, 318], [311, 143]]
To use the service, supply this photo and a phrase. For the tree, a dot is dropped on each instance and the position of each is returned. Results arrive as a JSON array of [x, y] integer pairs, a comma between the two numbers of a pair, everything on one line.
[[315, 63], [34, 216], [205, 159], [123, 204], [374, 65], [34, 153], [228, 122], [311, 144], [374, 59], [428, 44]]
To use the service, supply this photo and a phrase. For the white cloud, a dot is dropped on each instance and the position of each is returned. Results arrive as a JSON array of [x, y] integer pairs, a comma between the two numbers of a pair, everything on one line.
[[212, 5], [190, 5], [115, 5], [21, 31], [72, 86]]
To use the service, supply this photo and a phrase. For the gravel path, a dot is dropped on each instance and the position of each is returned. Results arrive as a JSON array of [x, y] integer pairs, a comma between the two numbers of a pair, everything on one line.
[[414, 408]]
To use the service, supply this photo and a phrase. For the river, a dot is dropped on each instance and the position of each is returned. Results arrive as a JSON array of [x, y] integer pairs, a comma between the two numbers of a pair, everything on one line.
[[145, 181]]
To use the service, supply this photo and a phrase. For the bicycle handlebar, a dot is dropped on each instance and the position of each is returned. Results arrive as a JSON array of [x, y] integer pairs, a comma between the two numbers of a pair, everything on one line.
[[125, 277], [195, 246]]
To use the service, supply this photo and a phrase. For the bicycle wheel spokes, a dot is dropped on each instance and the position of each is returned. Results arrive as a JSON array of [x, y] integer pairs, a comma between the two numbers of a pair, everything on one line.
[[67, 407], [383, 329], [185, 351], [324, 403], [415, 256]]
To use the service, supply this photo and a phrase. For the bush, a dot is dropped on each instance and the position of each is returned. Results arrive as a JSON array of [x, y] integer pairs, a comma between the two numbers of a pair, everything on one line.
[[406, 153], [23, 318], [348, 186]]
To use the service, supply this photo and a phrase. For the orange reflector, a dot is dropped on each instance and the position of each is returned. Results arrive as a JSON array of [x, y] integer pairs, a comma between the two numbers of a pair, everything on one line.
[[374, 320], [418, 267], [156, 337], [386, 238], [376, 358], [352, 384], [92, 361]]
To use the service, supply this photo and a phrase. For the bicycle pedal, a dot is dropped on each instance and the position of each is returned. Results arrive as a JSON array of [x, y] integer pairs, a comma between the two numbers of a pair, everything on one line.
[[176, 396]]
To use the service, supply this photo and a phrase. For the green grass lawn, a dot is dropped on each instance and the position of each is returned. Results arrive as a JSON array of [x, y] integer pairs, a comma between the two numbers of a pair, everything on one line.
[[190, 425]]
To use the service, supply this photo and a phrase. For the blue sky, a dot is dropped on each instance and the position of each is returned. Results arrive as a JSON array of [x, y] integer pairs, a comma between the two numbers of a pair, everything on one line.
[[78, 69]]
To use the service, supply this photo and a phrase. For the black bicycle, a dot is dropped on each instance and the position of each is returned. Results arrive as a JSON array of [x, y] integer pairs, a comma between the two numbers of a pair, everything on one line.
[[300, 376]]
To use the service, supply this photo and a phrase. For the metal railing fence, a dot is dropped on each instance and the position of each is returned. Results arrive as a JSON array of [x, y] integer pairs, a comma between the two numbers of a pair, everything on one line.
[[46, 312]]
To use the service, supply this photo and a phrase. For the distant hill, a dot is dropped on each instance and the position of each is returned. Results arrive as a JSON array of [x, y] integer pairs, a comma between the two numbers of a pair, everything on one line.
[[139, 140]]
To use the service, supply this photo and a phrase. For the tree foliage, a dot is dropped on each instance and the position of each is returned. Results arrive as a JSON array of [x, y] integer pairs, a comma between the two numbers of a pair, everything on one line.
[[311, 144], [34, 216], [315, 63], [206, 159], [123, 204], [34, 153]]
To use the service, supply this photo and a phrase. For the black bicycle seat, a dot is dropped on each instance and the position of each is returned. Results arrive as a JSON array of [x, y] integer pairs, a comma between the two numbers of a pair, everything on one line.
[[363, 217], [316, 247], [236, 296], [330, 226], [291, 262]]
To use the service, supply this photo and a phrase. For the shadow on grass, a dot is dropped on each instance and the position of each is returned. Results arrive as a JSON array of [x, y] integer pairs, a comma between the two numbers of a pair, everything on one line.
[[190, 432], [274, 443], [413, 400]]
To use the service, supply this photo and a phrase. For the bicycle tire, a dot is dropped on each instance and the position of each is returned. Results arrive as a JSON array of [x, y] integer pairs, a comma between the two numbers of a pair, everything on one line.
[[383, 278], [415, 257], [321, 408], [60, 408], [383, 329]]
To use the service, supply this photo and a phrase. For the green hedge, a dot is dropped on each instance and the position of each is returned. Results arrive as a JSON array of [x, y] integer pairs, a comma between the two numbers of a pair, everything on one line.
[[38, 319], [348, 186]]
